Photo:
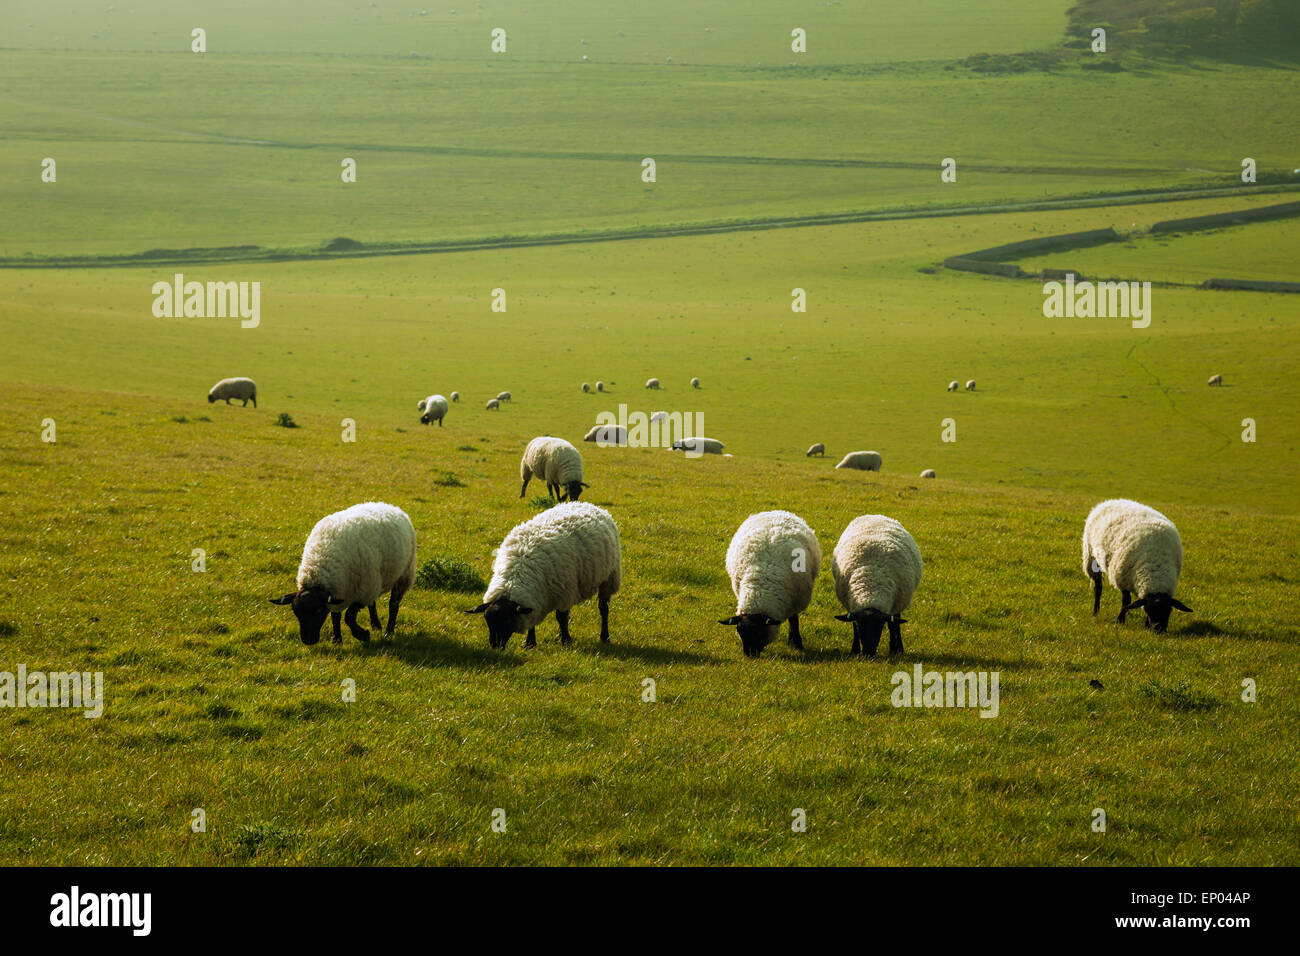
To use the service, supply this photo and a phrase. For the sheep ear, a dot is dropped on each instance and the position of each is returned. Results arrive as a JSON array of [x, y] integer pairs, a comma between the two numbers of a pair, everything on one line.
[[287, 599], [730, 621], [1140, 602], [584, 484], [773, 621], [475, 610], [1180, 605]]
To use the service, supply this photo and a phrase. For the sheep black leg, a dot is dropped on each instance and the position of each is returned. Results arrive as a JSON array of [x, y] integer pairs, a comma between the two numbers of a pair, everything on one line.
[[562, 619], [895, 637], [350, 619], [524, 486], [604, 618], [374, 618], [1125, 597], [531, 640], [1096, 590], [334, 619], [857, 644], [794, 639]]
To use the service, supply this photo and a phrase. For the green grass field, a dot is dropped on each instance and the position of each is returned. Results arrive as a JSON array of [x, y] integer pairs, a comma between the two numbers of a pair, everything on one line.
[[213, 703]]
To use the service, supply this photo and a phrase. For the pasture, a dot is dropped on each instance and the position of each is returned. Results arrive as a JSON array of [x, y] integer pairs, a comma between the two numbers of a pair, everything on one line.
[[210, 700]]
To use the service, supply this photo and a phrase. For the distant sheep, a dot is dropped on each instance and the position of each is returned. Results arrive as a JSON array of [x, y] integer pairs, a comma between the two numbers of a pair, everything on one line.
[[1141, 552], [818, 449], [434, 408], [970, 386], [351, 557], [549, 563], [555, 462], [455, 396], [586, 387], [652, 383], [658, 417], [1216, 380], [228, 388], [877, 567], [600, 386], [695, 383], [604, 435], [954, 386], [492, 403], [503, 396], [700, 445], [861, 460], [773, 561]]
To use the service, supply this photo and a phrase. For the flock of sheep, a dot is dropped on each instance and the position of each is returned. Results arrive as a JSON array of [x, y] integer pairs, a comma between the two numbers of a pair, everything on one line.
[[571, 552]]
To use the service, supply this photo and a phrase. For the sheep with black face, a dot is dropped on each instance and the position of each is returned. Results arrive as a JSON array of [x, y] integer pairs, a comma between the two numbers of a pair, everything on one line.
[[1141, 552], [877, 567], [772, 561]]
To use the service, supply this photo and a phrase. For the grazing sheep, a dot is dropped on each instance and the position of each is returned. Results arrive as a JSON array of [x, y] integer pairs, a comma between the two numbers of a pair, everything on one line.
[[928, 473], [818, 449], [351, 557], [605, 435], [773, 561], [970, 386], [1139, 549], [695, 383], [954, 386], [550, 563], [503, 396], [434, 408], [700, 445], [557, 463], [861, 460], [455, 396], [652, 383], [229, 388], [877, 566], [492, 403], [586, 387], [600, 386], [1216, 380]]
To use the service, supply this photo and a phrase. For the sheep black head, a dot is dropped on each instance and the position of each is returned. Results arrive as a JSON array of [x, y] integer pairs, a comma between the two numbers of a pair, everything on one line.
[[574, 489], [756, 631], [311, 607], [504, 617], [867, 626], [1158, 608], [211, 398]]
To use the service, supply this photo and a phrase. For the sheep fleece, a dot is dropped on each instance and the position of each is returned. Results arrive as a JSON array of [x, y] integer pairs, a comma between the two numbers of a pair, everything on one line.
[[557, 560], [1137, 547], [761, 561], [359, 553], [553, 460], [876, 563]]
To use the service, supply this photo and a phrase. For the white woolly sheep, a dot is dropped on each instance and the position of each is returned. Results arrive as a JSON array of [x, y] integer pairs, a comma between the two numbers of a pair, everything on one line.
[[861, 460], [954, 386], [1139, 549], [773, 561], [695, 383], [351, 557], [819, 449], [877, 566], [549, 563], [434, 408], [557, 463], [455, 396], [970, 386], [652, 383], [600, 386], [492, 403], [605, 435], [1216, 380], [700, 445], [229, 388], [928, 473], [503, 396], [586, 387]]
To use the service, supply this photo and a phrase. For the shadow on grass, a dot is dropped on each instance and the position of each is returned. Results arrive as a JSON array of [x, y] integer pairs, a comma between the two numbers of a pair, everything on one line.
[[432, 650], [910, 658], [651, 655]]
